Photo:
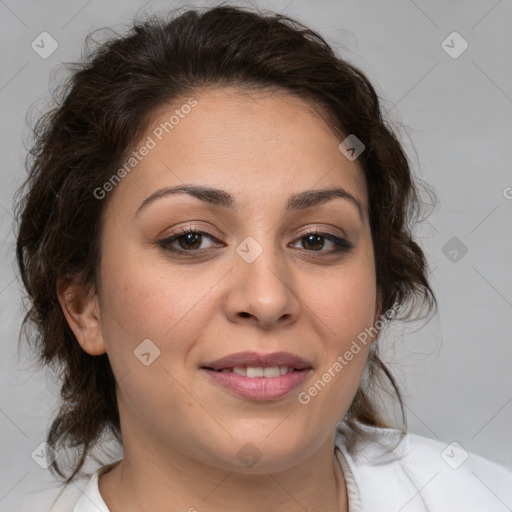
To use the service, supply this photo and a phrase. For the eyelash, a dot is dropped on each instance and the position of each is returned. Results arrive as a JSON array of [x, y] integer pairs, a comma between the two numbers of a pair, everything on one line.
[[341, 245]]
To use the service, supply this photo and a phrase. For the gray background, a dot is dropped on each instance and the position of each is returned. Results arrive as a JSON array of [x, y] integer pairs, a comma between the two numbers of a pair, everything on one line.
[[454, 118]]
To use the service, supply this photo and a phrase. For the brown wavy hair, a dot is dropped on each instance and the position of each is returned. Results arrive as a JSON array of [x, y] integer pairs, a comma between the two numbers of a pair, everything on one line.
[[102, 110]]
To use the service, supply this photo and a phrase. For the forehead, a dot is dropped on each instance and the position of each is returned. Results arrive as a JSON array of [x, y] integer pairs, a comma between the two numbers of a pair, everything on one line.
[[256, 144]]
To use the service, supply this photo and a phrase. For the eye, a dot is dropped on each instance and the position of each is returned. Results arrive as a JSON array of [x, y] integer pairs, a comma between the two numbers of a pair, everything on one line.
[[314, 241], [188, 240]]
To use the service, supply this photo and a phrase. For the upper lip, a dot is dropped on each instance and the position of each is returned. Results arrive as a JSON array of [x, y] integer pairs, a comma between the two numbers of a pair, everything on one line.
[[257, 359]]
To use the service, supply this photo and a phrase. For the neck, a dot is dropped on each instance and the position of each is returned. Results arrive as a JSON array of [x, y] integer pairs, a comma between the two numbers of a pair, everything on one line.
[[146, 479]]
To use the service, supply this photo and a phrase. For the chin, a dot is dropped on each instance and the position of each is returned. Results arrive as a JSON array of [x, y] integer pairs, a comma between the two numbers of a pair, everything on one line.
[[258, 452]]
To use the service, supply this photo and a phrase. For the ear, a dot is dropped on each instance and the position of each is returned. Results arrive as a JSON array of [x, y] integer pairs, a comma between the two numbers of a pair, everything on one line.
[[80, 305]]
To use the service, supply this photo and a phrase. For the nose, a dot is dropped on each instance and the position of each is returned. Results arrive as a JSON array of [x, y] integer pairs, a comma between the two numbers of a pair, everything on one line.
[[262, 292]]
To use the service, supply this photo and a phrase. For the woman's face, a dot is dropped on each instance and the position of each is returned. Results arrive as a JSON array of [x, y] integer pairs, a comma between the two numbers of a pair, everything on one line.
[[251, 281]]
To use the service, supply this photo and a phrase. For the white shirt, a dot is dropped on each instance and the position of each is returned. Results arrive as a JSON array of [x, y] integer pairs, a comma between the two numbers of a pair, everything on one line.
[[417, 475]]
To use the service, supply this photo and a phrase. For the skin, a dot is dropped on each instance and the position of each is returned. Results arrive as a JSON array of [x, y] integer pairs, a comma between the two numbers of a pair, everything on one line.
[[182, 431]]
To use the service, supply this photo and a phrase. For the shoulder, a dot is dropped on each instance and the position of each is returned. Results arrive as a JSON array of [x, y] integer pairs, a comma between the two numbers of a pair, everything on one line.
[[81, 495], [54, 499], [415, 473], [457, 470]]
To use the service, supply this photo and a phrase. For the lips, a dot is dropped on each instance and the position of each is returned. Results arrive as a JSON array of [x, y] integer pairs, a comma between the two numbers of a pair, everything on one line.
[[259, 377], [256, 360]]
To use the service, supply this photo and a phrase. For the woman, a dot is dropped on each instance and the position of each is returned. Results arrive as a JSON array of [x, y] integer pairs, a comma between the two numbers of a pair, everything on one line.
[[215, 229]]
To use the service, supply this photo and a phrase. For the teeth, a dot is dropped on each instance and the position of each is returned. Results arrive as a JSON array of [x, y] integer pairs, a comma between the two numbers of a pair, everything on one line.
[[255, 371], [271, 371], [259, 371], [283, 370]]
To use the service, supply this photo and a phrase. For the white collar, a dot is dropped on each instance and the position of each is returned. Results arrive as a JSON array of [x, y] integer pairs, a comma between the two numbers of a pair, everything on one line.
[[378, 445]]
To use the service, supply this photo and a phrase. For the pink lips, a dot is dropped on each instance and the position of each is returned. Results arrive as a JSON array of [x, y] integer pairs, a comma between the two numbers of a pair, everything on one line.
[[259, 388], [256, 359]]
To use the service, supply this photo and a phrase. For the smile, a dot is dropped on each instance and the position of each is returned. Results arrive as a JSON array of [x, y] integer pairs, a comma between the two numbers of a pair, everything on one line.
[[259, 371]]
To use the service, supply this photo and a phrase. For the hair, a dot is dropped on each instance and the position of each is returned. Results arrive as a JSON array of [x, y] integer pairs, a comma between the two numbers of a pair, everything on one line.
[[102, 110]]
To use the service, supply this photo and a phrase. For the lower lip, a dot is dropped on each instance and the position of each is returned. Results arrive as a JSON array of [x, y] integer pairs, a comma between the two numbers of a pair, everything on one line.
[[259, 388]]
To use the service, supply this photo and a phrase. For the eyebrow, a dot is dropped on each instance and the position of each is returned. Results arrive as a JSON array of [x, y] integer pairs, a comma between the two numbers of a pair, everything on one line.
[[217, 197]]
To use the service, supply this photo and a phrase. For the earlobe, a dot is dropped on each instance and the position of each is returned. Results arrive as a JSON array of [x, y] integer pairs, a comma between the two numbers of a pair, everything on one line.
[[80, 306]]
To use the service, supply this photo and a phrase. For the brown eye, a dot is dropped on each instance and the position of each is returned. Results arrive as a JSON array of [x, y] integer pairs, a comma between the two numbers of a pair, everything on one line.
[[315, 241], [188, 240]]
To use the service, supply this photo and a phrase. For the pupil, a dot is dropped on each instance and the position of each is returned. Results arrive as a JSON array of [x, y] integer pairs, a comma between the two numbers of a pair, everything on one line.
[[310, 240], [190, 238]]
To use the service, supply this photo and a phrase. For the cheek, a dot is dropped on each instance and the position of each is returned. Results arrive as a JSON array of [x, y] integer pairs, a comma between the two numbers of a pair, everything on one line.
[[344, 321], [147, 297], [344, 302], [343, 310], [148, 300], [149, 325]]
